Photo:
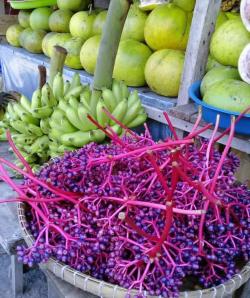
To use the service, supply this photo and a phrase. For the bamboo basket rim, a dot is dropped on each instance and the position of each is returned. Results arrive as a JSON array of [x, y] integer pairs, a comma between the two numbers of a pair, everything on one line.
[[107, 290]]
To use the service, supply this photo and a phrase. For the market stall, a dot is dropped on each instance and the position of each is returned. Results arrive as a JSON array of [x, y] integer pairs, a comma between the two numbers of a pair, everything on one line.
[[115, 203]]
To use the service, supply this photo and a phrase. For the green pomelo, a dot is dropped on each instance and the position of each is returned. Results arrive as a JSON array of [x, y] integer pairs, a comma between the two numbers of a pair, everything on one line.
[[164, 70], [57, 39], [233, 15], [73, 5], [134, 24], [59, 21], [33, 41], [221, 19], [13, 35], [187, 5], [130, 62], [45, 42], [81, 25], [165, 27], [24, 18], [89, 53], [230, 95], [185, 37], [99, 22], [73, 47], [228, 42], [22, 37], [39, 18], [211, 63], [218, 74]]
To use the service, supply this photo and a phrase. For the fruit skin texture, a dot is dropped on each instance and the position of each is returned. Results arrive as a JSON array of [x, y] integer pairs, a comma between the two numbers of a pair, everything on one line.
[[22, 37], [81, 25], [135, 23], [89, 53], [187, 5], [163, 71], [211, 63], [165, 27], [59, 20], [130, 62], [218, 74], [13, 34], [52, 39], [228, 42], [33, 41], [24, 18], [39, 18], [75, 5], [221, 19], [73, 47], [231, 95], [99, 22]]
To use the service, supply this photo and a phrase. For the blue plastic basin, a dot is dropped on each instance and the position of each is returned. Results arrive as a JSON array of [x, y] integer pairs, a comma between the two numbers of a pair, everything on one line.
[[209, 113]]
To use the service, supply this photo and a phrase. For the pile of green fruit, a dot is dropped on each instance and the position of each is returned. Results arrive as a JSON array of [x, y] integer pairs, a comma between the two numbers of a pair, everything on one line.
[[57, 117]]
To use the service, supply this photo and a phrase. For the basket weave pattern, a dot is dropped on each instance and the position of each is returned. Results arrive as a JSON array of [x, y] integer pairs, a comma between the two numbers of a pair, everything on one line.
[[107, 290]]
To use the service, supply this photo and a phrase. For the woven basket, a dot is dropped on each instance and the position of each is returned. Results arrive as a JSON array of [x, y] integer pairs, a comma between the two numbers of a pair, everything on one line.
[[107, 290]]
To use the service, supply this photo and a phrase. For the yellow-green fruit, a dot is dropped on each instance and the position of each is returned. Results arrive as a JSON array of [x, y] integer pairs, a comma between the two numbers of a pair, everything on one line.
[[59, 20], [33, 41], [134, 25], [130, 62], [39, 18], [228, 42], [89, 53], [165, 27], [73, 47], [12, 35], [24, 18], [187, 5], [211, 63], [221, 19], [99, 22], [56, 39], [163, 71], [45, 42], [24, 34], [75, 5], [81, 24]]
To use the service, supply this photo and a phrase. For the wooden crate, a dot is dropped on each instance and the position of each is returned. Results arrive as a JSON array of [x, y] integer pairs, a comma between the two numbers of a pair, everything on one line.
[[6, 21]]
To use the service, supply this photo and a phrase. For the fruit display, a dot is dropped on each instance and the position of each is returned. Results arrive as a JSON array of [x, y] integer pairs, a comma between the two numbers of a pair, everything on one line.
[[75, 5], [59, 21], [81, 24], [56, 120], [99, 23], [39, 18], [13, 35]]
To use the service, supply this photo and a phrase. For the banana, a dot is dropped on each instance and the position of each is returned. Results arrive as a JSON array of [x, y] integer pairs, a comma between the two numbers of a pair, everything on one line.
[[83, 116], [62, 104], [25, 103], [76, 81], [53, 146], [64, 126], [140, 119], [35, 169], [35, 130], [102, 117], [74, 102], [57, 115], [43, 112], [73, 118], [109, 99], [74, 92], [117, 129], [77, 139], [116, 89], [44, 124], [66, 87], [24, 114], [23, 139], [120, 111], [132, 112], [10, 112], [58, 86], [97, 135], [40, 144], [63, 148], [124, 90], [48, 98], [85, 103], [86, 94], [36, 99], [133, 97], [19, 126]]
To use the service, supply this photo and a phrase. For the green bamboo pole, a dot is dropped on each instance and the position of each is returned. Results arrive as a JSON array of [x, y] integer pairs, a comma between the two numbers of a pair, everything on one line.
[[117, 13], [56, 62]]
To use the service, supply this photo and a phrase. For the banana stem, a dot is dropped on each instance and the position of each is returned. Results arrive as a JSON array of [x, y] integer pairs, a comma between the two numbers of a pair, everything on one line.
[[42, 75], [117, 13], [57, 62]]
